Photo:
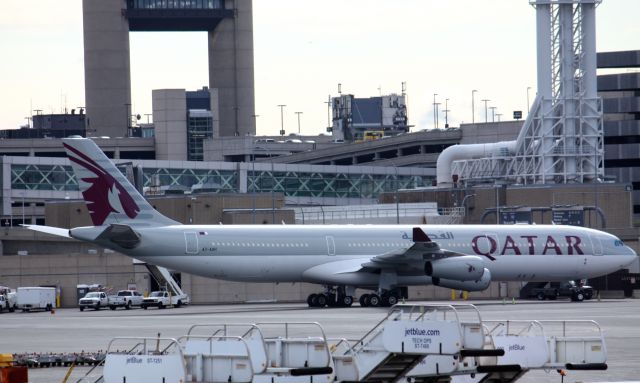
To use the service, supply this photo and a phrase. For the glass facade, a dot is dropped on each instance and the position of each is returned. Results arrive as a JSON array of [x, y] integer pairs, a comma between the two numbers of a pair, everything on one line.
[[337, 185], [200, 127], [291, 183], [42, 177], [175, 4], [227, 179]]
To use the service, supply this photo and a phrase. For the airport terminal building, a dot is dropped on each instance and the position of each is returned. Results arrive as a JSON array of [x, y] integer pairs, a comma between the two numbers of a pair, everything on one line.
[[200, 161]]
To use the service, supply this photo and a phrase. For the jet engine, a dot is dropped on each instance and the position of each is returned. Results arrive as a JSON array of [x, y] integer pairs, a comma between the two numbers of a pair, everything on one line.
[[463, 268], [478, 285]]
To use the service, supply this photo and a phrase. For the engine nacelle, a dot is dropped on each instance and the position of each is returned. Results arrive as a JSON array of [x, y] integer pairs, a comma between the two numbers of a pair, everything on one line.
[[478, 285], [463, 268]]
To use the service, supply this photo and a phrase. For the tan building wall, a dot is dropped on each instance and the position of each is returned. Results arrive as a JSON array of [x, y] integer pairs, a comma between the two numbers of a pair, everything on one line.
[[204, 208], [614, 200]]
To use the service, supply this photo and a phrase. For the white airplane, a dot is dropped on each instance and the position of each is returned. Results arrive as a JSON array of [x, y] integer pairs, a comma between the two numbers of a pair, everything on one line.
[[382, 258]]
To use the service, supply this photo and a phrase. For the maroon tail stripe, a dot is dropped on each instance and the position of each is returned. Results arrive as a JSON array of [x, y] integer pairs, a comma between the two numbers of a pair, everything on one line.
[[83, 156]]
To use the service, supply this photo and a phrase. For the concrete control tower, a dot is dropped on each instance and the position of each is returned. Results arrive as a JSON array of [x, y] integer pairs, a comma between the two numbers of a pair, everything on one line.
[[107, 24]]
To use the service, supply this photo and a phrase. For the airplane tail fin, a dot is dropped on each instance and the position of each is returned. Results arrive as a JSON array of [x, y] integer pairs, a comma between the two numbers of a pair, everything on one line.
[[109, 196]]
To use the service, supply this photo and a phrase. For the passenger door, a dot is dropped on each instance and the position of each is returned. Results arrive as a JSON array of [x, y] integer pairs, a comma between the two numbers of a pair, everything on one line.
[[331, 245], [191, 242]]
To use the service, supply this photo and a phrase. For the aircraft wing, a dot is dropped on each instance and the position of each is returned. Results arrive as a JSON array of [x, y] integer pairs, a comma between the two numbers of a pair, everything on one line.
[[423, 249], [409, 261]]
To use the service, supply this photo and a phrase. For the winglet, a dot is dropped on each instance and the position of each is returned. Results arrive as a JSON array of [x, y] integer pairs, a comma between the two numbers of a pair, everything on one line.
[[420, 236]]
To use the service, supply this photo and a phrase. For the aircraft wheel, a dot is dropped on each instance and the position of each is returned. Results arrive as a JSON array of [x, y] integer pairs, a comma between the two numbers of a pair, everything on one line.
[[374, 300], [391, 300], [322, 300], [347, 301], [540, 296], [364, 300], [311, 300]]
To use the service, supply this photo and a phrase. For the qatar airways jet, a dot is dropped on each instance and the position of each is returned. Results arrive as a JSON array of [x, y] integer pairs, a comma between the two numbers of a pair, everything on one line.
[[382, 258]]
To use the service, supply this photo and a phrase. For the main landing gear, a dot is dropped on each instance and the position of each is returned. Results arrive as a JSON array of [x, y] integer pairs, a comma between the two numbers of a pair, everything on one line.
[[386, 299], [331, 298], [341, 297]]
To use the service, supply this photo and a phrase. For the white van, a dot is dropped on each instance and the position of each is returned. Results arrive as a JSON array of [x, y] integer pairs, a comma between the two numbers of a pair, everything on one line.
[[40, 298]]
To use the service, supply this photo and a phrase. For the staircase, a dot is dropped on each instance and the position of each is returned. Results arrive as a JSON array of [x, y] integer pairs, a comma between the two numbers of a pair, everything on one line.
[[164, 279], [394, 367]]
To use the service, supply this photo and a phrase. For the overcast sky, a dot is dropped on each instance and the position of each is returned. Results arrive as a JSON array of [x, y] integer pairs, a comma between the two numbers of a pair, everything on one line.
[[303, 49]]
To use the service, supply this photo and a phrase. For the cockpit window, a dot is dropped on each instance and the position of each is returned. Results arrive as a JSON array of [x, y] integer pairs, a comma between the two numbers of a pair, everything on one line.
[[618, 242]]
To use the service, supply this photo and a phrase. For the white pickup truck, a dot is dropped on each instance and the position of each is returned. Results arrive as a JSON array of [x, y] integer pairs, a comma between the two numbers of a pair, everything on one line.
[[8, 302], [126, 299], [162, 299], [95, 300]]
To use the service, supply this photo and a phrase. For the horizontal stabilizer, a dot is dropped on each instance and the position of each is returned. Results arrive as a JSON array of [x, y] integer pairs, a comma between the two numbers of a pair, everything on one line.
[[60, 232]]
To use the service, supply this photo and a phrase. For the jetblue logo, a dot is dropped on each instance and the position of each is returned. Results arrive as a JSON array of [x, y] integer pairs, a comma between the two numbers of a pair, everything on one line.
[[134, 360], [420, 332], [516, 347]]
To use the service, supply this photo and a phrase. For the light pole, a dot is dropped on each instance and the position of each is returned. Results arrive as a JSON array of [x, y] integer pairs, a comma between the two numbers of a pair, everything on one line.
[[328, 102], [273, 178], [281, 120], [528, 105], [22, 208], [473, 106], [396, 194], [435, 121], [298, 113], [193, 210], [498, 114], [497, 204], [486, 110], [255, 119], [397, 199], [437, 115], [446, 113], [493, 113], [253, 187]]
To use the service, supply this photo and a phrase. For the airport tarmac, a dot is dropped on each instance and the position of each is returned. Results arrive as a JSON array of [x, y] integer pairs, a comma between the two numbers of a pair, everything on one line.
[[69, 330]]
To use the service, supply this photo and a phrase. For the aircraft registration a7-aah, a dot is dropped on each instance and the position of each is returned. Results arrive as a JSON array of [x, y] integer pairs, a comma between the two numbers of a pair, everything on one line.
[[382, 258]]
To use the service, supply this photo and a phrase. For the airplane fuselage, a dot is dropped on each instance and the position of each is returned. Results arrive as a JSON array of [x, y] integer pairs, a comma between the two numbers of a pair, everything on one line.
[[302, 253]]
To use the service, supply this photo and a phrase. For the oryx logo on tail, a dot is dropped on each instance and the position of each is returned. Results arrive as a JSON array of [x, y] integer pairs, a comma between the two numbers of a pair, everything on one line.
[[105, 195]]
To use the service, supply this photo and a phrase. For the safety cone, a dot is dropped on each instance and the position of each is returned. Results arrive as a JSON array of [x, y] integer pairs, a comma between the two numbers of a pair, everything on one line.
[[513, 301]]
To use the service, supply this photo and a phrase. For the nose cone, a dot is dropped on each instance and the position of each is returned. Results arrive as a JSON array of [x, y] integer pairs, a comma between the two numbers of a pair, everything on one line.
[[630, 251], [630, 255]]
